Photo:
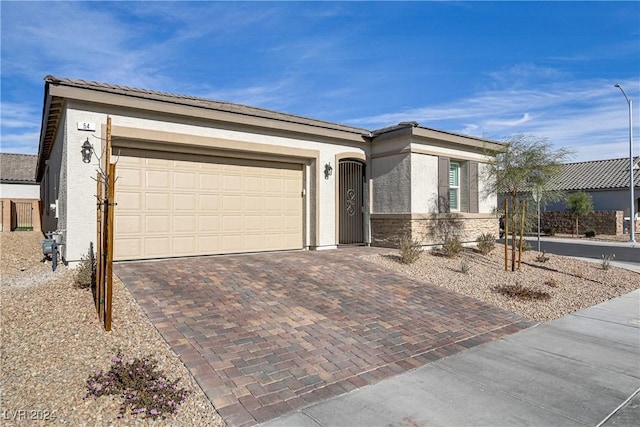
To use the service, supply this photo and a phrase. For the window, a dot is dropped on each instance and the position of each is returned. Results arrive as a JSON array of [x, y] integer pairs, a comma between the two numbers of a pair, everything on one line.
[[454, 186]]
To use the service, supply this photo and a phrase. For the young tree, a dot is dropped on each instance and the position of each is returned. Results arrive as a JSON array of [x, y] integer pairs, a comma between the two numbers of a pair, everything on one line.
[[527, 162], [579, 204]]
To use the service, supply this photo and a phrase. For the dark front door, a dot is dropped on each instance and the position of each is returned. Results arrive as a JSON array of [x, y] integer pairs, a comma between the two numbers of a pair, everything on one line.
[[351, 200]]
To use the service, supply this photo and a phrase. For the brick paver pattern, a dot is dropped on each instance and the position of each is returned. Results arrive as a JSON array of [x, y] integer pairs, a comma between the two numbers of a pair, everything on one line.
[[266, 334]]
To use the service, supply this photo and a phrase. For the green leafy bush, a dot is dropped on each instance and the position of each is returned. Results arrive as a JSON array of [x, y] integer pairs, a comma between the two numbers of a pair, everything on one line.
[[590, 233], [486, 243], [451, 247], [410, 250], [550, 231], [144, 389]]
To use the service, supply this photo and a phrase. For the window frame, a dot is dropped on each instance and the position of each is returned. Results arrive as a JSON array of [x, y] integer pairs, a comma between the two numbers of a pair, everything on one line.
[[454, 187]]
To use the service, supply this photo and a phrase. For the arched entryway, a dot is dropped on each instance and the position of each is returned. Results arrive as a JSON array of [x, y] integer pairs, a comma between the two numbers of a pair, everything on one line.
[[350, 202]]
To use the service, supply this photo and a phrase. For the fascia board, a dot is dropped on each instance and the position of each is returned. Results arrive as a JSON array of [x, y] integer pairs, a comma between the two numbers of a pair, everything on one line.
[[204, 113], [432, 135]]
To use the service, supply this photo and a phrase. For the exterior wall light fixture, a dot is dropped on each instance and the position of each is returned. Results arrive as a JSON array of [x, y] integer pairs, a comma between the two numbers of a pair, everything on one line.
[[328, 170], [86, 151]]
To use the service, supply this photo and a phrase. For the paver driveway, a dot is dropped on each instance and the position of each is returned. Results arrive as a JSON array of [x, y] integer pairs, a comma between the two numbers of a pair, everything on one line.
[[265, 334]]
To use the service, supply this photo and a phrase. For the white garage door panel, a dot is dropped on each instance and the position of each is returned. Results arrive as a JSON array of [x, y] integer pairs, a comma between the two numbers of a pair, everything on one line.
[[167, 207]]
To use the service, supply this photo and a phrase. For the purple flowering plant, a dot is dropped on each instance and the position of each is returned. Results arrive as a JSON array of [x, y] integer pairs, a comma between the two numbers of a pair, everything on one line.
[[144, 389]]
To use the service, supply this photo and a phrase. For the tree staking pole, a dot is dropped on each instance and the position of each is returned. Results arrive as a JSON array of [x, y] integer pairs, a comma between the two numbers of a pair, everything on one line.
[[506, 235], [522, 218]]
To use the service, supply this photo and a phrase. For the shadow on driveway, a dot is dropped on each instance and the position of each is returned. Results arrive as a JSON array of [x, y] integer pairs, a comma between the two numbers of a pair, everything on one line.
[[266, 334]]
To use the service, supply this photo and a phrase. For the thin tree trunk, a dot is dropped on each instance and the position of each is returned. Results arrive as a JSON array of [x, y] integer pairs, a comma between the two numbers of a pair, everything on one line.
[[513, 247]]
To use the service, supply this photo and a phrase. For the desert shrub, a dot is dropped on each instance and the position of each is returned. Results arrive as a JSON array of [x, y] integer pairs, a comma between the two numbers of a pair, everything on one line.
[[551, 282], [143, 388], [542, 257], [526, 246], [550, 231], [451, 247], [521, 292], [464, 266], [486, 242], [410, 250], [606, 261], [590, 233], [85, 276]]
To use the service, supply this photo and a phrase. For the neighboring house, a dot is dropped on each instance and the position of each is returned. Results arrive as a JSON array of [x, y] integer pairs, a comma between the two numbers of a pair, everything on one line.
[[199, 177], [19, 192], [606, 181]]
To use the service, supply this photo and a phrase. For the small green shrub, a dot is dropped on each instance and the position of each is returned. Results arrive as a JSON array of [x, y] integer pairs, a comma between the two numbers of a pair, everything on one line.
[[144, 389], [486, 243], [526, 246], [550, 231], [590, 233], [451, 247], [542, 257], [85, 276], [410, 250], [464, 267], [606, 261], [521, 292]]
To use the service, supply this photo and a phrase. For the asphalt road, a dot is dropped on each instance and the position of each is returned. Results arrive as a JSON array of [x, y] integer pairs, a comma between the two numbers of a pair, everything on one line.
[[624, 252]]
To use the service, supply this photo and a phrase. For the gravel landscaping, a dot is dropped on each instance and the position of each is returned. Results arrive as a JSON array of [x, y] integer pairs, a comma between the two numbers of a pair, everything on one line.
[[51, 339], [571, 284]]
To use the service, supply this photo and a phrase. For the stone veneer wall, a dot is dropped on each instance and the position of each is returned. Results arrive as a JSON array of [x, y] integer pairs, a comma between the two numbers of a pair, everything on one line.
[[431, 229], [603, 222]]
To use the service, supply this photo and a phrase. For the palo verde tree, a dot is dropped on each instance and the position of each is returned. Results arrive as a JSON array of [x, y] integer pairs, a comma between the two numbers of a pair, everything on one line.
[[528, 163], [579, 204]]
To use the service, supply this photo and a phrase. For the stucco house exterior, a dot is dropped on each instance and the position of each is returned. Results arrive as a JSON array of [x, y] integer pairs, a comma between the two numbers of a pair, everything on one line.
[[19, 192], [199, 177]]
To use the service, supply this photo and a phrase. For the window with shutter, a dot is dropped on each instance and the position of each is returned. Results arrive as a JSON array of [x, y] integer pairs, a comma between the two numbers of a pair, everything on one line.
[[454, 186]]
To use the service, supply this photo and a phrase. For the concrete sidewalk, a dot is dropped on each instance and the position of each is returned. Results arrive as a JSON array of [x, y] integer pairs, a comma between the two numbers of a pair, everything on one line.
[[579, 370]]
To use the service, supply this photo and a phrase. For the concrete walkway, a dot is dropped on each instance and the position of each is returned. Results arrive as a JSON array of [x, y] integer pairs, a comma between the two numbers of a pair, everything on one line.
[[579, 370]]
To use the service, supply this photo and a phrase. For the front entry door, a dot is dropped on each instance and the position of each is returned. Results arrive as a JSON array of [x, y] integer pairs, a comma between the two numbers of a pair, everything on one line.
[[351, 201]]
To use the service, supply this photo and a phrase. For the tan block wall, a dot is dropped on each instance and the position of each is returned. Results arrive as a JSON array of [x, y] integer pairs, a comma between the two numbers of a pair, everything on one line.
[[386, 230], [7, 208]]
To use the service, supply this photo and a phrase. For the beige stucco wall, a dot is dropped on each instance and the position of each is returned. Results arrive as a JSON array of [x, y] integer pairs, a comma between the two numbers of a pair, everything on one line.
[[80, 217], [424, 183], [487, 203], [391, 183]]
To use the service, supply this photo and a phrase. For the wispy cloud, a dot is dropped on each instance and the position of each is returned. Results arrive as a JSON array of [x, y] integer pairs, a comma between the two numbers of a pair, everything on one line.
[[584, 115]]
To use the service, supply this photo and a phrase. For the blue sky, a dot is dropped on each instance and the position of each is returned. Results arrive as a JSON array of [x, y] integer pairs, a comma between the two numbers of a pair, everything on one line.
[[489, 69]]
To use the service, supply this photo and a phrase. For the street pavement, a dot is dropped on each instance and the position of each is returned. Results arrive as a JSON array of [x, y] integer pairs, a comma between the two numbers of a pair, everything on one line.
[[626, 253], [580, 370]]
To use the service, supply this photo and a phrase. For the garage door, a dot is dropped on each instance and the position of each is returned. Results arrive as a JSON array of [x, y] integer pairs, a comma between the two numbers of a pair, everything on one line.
[[180, 205]]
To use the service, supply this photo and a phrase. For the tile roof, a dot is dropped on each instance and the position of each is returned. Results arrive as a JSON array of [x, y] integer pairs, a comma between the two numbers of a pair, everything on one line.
[[597, 175], [201, 102], [18, 168]]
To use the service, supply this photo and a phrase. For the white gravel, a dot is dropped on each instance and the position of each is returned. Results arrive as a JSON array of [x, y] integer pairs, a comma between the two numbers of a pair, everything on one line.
[[52, 341]]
